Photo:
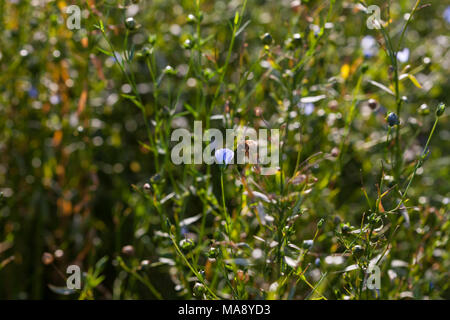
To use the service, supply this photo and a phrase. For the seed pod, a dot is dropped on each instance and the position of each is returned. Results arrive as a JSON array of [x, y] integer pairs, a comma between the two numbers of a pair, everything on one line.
[[130, 23], [147, 51], [307, 244], [320, 223], [345, 228], [199, 289], [364, 68], [297, 39], [169, 70], [373, 104], [213, 253], [188, 44], [266, 38], [357, 250], [424, 110], [191, 19], [187, 244]]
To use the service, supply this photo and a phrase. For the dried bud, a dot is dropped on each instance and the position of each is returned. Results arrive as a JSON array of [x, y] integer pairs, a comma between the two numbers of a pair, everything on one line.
[[373, 104], [333, 105], [47, 258], [335, 152], [128, 250], [258, 111], [242, 276], [145, 264], [295, 5]]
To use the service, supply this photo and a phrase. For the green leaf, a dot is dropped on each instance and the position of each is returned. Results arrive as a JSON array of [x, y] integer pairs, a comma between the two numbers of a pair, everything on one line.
[[191, 110], [134, 100], [414, 81], [105, 52]]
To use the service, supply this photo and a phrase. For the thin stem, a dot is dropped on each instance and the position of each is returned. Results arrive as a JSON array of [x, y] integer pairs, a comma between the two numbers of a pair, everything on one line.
[[418, 164]]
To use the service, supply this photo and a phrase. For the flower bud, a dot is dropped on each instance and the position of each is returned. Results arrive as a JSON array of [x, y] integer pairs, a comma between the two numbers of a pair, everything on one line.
[[128, 250], [199, 289], [152, 39], [266, 38], [392, 119], [147, 51], [357, 250], [307, 244], [297, 39], [188, 44], [424, 110], [440, 109], [187, 244], [130, 23], [170, 70], [213, 253]]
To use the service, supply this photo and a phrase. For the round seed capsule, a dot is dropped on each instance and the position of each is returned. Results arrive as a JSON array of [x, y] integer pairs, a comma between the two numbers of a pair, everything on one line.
[[373, 104], [130, 23], [128, 250], [267, 38]]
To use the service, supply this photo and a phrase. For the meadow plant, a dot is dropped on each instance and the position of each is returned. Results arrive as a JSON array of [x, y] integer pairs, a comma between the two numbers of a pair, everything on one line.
[[356, 207]]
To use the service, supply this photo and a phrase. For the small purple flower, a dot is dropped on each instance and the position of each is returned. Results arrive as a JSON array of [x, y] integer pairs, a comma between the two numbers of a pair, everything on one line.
[[33, 92], [307, 108], [403, 56], [446, 14], [369, 46], [224, 156]]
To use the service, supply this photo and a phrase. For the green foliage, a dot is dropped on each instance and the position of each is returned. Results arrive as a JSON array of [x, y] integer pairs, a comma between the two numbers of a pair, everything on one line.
[[86, 175]]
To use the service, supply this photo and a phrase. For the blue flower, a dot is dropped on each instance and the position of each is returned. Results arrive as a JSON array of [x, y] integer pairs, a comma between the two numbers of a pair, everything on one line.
[[403, 56], [224, 156], [446, 14], [369, 46], [33, 92], [308, 108]]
